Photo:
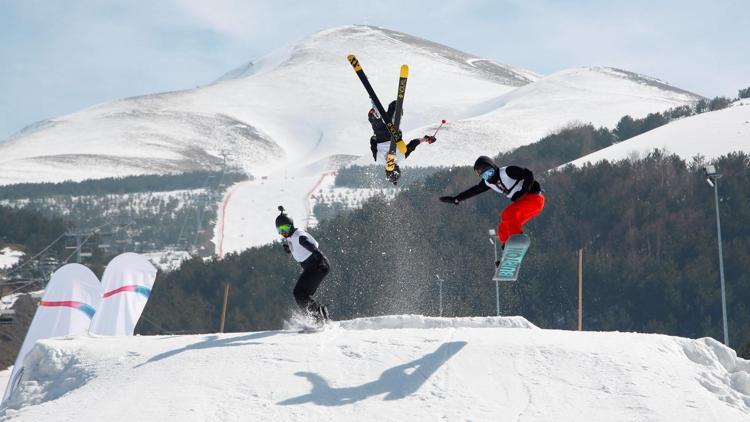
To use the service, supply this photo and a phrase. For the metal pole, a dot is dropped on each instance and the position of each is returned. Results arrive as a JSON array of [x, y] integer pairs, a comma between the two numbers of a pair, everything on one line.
[[580, 289], [78, 248], [721, 264], [224, 307], [497, 282], [440, 285]]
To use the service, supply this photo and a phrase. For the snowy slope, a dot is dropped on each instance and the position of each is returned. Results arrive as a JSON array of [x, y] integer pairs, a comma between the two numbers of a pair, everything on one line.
[[400, 368], [710, 134], [597, 95]]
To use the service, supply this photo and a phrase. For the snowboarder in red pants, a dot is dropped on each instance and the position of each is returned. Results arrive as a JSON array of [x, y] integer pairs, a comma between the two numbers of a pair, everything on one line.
[[514, 182]]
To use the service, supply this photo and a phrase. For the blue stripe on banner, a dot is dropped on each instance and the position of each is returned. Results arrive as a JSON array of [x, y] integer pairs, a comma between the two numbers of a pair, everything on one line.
[[145, 291]]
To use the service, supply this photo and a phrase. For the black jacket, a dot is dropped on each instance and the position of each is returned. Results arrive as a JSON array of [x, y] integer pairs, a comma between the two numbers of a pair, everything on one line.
[[381, 133], [520, 174]]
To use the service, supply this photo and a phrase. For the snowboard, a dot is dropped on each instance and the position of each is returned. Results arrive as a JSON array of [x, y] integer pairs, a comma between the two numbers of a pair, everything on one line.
[[510, 263], [390, 162]]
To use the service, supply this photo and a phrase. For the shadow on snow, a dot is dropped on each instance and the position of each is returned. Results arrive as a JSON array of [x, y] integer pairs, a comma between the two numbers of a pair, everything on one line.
[[213, 341], [397, 382]]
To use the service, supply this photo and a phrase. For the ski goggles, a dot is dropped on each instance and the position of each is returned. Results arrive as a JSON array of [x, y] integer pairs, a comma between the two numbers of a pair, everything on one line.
[[487, 174], [284, 228]]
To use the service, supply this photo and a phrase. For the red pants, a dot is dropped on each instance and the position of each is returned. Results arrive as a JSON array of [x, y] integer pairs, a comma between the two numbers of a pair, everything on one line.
[[515, 215]]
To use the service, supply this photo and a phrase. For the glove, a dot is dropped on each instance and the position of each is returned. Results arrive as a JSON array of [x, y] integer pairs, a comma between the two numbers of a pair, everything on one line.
[[449, 200], [286, 247], [429, 139]]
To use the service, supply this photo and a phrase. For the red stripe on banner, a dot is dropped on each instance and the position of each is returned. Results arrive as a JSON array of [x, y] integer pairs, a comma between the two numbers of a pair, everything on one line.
[[68, 303], [129, 288]]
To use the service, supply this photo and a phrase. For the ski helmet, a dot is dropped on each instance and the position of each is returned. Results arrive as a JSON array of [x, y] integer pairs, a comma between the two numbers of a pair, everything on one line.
[[283, 220], [483, 164]]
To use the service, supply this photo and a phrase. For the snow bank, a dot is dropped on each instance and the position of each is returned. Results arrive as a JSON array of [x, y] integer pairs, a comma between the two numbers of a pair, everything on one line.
[[419, 368], [50, 373]]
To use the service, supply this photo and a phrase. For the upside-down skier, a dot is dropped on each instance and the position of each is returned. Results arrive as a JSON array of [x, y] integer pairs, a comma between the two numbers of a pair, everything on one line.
[[516, 183], [380, 141], [304, 248]]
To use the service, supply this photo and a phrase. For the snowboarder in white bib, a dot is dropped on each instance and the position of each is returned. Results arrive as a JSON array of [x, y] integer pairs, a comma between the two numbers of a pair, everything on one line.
[[304, 248]]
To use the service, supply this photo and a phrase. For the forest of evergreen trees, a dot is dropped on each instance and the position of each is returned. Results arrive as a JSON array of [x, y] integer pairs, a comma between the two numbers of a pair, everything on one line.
[[119, 185], [647, 229]]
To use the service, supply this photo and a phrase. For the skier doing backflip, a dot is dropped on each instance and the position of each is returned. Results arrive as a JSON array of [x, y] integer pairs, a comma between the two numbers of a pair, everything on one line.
[[514, 182], [381, 139], [304, 248]]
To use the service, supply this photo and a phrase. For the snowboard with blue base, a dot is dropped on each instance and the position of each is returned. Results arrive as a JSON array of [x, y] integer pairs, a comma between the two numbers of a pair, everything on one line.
[[510, 263]]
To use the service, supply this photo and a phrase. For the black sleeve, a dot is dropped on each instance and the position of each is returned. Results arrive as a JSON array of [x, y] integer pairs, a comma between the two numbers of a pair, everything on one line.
[[472, 191], [305, 242], [520, 173]]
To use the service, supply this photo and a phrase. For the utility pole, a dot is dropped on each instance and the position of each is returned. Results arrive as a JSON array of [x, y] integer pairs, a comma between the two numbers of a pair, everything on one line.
[[224, 307], [492, 234], [440, 294], [580, 289], [713, 180]]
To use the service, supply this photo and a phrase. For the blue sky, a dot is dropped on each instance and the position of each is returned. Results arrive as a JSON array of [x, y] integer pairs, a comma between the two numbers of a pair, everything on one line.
[[57, 57]]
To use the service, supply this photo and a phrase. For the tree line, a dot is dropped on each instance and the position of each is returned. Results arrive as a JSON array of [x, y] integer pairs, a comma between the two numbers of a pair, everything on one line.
[[647, 229]]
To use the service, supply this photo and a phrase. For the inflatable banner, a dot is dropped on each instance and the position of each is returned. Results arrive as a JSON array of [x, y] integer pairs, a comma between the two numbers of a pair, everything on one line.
[[67, 307], [127, 283]]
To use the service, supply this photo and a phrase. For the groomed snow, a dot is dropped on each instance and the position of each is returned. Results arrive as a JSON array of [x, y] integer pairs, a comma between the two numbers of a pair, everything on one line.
[[711, 135], [397, 368]]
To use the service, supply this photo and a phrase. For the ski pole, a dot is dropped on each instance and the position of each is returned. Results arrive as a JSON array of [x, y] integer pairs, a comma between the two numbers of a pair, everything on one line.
[[442, 122]]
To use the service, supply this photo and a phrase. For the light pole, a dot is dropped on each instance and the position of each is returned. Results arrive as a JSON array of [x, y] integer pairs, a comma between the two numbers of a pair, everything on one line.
[[713, 180], [492, 234], [440, 294]]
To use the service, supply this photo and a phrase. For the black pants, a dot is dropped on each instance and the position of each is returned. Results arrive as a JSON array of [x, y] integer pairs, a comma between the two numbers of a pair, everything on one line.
[[313, 273]]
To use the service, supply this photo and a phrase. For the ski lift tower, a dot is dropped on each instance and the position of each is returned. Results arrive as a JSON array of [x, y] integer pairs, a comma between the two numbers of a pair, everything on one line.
[[75, 241]]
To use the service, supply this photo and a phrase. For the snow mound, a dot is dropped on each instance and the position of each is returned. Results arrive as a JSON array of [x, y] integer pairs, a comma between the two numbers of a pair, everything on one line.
[[406, 367], [721, 372], [51, 373]]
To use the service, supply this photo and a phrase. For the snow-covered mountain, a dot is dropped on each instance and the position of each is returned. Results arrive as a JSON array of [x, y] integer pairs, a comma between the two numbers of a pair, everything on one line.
[[299, 113], [393, 368], [303, 108], [296, 107], [710, 135]]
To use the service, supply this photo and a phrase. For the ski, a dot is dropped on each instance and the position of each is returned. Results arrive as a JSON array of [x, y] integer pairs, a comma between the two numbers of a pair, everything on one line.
[[404, 74], [513, 253], [390, 163]]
